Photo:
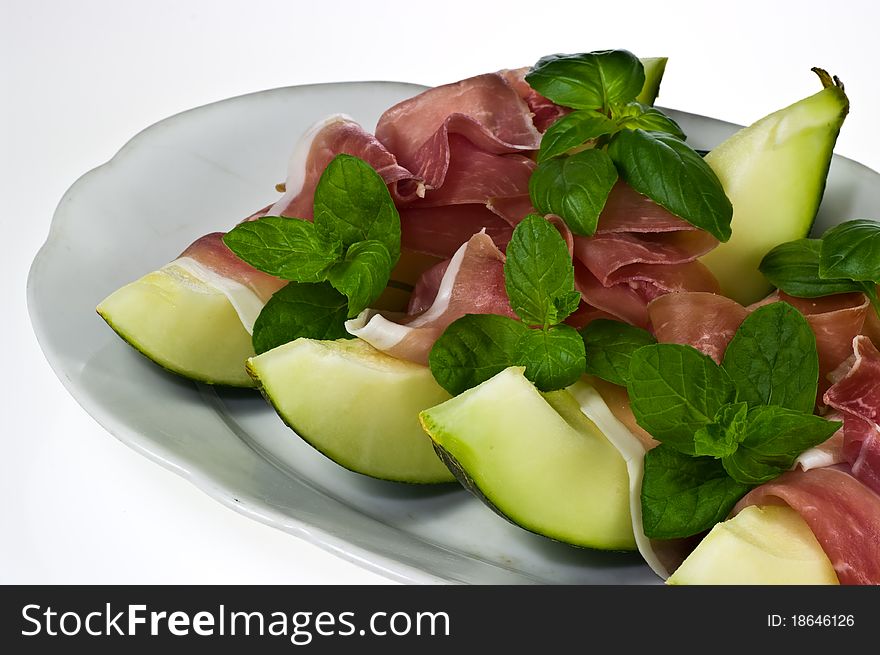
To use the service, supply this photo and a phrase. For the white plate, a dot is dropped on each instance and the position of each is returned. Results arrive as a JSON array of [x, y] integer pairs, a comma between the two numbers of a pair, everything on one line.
[[202, 171]]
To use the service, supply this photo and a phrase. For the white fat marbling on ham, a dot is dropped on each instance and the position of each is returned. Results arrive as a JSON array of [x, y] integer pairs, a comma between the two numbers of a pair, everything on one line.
[[857, 397], [843, 514], [827, 453], [473, 283]]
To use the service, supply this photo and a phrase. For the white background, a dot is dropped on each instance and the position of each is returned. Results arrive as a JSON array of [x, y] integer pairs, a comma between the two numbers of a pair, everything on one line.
[[78, 79]]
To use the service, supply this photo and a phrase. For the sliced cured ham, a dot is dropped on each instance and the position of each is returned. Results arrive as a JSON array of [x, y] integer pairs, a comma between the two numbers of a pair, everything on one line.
[[512, 208], [545, 112], [210, 252], [639, 252], [706, 321], [473, 283], [440, 231], [632, 288], [843, 514], [627, 210], [835, 321], [607, 253], [872, 326], [621, 301], [426, 289], [474, 175], [484, 109], [857, 397], [334, 135]]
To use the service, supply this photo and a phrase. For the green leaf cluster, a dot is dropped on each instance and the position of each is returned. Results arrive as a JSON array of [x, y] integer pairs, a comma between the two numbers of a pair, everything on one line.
[[539, 279], [338, 264], [846, 259], [723, 429], [611, 136]]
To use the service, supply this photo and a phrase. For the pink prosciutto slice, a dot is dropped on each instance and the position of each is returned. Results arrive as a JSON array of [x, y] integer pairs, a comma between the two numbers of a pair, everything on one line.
[[627, 210], [545, 112], [484, 109], [706, 321], [334, 135], [835, 320], [474, 175], [607, 253], [857, 397], [639, 252], [632, 289], [210, 252], [440, 231], [472, 283], [511, 208], [843, 514]]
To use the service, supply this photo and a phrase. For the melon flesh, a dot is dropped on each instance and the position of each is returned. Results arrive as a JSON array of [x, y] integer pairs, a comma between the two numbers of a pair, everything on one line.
[[537, 460], [774, 173], [356, 405], [760, 545], [183, 323]]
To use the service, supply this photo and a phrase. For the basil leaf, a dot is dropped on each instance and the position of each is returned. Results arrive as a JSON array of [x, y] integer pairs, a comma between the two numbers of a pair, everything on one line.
[[288, 248], [352, 204], [671, 174], [851, 250], [609, 346], [473, 349], [573, 130], [538, 273], [574, 187], [635, 115], [315, 311], [722, 437], [553, 357], [683, 496], [772, 359], [793, 267], [774, 437], [674, 391], [591, 80], [362, 275]]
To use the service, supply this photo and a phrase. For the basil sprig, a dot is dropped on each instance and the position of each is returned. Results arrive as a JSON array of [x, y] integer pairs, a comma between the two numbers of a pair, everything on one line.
[[539, 278], [724, 429], [611, 135], [846, 259], [337, 265]]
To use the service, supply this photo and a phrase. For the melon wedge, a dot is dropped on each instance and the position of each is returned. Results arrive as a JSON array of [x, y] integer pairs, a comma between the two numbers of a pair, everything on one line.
[[183, 322], [536, 460], [774, 173], [760, 545], [654, 69], [356, 405]]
